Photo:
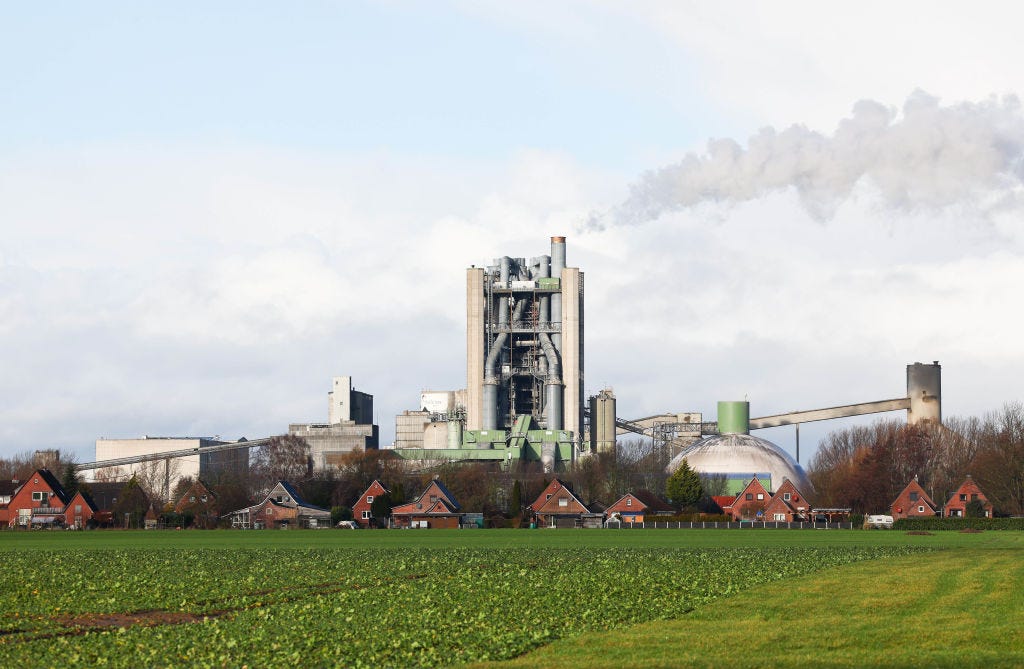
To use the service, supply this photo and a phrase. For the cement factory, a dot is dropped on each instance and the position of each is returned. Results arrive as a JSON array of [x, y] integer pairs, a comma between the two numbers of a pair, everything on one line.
[[524, 400]]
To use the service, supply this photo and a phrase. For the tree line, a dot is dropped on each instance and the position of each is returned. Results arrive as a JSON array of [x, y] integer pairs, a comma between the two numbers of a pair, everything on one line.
[[865, 468]]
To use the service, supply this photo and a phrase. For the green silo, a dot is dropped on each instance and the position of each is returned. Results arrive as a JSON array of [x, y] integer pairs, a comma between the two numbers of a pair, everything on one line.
[[734, 417]]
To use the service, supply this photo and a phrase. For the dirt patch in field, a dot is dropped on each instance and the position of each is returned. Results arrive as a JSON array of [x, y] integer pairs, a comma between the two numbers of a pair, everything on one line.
[[94, 621]]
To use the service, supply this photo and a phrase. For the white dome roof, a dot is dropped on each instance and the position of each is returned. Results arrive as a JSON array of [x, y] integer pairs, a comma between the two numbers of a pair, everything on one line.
[[743, 454]]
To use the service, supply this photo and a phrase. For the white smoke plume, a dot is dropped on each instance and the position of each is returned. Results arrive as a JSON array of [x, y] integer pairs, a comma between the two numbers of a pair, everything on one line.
[[930, 156]]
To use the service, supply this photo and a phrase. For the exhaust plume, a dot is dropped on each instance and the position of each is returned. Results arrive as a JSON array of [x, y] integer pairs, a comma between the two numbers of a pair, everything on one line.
[[930, 156]]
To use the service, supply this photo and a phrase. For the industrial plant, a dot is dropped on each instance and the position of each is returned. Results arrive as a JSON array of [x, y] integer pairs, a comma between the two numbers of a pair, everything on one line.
[[524, 400]]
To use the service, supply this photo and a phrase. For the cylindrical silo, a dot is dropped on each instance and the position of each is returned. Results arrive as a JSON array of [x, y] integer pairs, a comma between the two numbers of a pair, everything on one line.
[[734, 417], [608, 442], [454, 434]]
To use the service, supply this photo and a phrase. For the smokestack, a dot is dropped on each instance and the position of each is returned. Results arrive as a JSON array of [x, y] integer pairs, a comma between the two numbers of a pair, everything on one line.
[[557, 265]]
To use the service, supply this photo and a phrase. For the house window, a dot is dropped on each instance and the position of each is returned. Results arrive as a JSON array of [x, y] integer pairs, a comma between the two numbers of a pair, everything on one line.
[[760, 495], [366, 515], [369, 499], [192, 498], [269, 511], [963, 498], [913, 497], [203, 498], [433, 498], [547, 497], [974, 497], [629, 501], [37, 496], [78, 508], [920, 509], [750, 496], [780, 517], [786, 496], [563, 501]]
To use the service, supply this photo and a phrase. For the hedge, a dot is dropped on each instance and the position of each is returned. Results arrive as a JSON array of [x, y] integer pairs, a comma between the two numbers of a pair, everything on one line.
[[959, 524]]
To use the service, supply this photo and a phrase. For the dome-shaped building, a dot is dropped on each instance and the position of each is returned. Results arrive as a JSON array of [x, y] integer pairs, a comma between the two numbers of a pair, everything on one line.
[[738, 457]]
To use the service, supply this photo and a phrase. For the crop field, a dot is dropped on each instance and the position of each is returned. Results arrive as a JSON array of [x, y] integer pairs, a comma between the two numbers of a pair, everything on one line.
[[375, 599]]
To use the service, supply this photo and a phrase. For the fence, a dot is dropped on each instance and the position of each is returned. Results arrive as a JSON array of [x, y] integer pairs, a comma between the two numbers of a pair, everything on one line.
[[721, 525]]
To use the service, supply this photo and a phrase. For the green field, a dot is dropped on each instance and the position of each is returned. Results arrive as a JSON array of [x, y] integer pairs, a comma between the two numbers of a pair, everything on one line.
[[548, 598]]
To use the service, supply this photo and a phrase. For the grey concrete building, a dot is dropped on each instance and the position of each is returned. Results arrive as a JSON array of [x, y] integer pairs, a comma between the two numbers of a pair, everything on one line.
[[350, 427]]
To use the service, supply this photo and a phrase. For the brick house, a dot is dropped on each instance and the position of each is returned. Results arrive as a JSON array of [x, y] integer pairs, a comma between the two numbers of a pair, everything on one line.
[[912, 502], [795, 498], [558, 506], [200, 502], [362, 510], [7, 490], [40, 501], [545, 495], [634, 507], [283, 507], [435, 508], [104, 496], [80, 510], [779, 510], [968, 492], [752, 502], [724, 503]]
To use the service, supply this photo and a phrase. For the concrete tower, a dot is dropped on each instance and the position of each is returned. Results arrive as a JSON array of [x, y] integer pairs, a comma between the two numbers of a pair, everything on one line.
[[524, 342], [924, 389]]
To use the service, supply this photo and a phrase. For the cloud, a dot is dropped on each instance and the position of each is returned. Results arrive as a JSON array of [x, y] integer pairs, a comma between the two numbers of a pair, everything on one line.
[[198, 290], [929, 156]]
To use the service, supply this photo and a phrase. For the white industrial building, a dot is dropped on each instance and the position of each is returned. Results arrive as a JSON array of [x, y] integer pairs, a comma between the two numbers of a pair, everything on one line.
[[209, 466]]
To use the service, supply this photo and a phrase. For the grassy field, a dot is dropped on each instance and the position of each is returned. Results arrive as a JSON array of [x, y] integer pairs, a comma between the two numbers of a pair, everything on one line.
[[573, 598], [961, 607]]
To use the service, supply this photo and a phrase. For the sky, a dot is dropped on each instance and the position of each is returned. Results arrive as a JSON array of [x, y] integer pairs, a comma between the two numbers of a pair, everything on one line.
[[209, 210]]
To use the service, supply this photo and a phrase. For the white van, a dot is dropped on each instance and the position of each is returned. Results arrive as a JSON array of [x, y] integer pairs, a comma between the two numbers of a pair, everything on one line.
[[878, 522]]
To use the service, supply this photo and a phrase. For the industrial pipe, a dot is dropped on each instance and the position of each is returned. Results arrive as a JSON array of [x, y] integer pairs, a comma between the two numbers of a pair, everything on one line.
[[490, 387], [553, 384]]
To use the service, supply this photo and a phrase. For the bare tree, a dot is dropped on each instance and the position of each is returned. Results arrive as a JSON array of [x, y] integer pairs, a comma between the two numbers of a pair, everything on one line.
[[18, 467], [154, 478], [284, 458], [998, 465]]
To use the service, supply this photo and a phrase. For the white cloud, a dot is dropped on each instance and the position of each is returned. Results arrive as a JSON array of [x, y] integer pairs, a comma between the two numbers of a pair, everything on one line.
[[966, 155]]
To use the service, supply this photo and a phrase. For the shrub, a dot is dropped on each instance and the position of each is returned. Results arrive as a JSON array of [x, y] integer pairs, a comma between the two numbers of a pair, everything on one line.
[[959, 524]]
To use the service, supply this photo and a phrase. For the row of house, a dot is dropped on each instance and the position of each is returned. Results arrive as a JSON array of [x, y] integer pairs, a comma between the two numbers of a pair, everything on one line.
[[559, 506], [914, 502], [41, 501]]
